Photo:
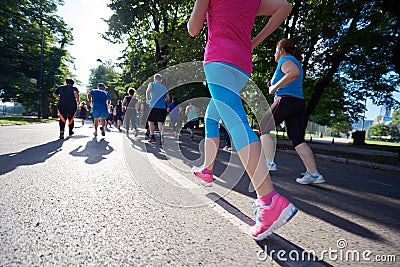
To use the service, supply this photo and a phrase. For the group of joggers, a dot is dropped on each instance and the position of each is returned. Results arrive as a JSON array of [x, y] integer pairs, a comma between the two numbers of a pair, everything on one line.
[[228, 67]]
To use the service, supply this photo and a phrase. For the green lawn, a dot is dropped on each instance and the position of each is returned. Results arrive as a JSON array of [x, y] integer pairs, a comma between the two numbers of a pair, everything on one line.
[[22, 120], [381, 143], [369, 143]]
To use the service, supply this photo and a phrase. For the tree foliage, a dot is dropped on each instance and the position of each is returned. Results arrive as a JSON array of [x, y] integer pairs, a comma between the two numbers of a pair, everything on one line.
[[105, 73], [384, 130], [22, 23], [391, 129], [396, 117], [350, 49], [156, 36]]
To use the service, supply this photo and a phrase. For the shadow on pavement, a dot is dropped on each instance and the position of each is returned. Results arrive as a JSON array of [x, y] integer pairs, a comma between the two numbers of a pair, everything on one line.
[[94, 151], [358, 198], [29, 156], [274, 244], [333, 219], [143, 145], [328, 197]]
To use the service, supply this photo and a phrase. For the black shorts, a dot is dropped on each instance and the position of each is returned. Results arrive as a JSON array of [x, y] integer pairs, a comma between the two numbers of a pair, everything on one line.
[[118, 117], [290, 109], [157, 115], [192, 124]]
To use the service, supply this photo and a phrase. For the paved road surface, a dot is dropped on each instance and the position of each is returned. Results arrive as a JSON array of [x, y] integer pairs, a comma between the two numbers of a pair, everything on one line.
[[118, 201]]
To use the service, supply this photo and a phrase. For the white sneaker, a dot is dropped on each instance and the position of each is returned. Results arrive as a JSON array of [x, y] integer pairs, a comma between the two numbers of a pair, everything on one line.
[[309, 179], [272, 166], [227, 148]]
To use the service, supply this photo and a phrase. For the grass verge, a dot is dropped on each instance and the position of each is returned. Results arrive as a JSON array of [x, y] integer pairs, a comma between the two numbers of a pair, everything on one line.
[[23, 120]]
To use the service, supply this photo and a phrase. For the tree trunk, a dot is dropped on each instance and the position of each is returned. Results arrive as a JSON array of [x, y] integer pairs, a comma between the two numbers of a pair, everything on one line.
[[335, 61], [323, 83], [45, 106], [393, 8]]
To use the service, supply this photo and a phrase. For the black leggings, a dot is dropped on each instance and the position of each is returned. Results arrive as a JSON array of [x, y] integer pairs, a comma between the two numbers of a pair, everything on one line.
[[66, 113], [290, 109]]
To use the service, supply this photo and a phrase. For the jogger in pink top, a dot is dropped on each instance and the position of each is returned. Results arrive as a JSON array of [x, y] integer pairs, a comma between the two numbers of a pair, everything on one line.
[[227, 66]]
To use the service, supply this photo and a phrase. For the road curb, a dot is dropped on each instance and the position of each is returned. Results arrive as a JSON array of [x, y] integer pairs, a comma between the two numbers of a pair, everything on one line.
[[350, 161]]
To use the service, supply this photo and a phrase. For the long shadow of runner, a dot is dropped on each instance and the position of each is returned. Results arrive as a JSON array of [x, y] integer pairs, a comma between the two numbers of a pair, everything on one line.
[[274, 246], [94, 151], [29, 156], [143, 145], [242, 184]]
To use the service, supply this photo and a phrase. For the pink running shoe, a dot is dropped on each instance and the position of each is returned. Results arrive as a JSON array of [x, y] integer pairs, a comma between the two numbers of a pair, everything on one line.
[[270, 218], [206, 178]]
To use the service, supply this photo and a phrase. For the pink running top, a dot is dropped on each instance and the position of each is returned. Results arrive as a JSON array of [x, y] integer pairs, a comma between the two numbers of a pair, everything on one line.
[[229, 32]]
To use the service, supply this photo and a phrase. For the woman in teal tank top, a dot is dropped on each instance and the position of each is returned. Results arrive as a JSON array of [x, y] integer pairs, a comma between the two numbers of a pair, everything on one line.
[[289, 107]]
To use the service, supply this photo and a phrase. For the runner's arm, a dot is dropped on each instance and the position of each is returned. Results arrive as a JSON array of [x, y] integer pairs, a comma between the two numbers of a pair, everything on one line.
[[148, 91], [124, 104], [77, 97], [89, 97], [56, 93], [291, 73], [278, 10], [196, 20]]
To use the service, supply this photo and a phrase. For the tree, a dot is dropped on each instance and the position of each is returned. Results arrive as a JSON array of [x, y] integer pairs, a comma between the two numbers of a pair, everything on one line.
[[23, 24], [395, 124], [105, 73], [350, 41], [394, 131], [378, 130], [157, 40], [349, 49], [396, 117]]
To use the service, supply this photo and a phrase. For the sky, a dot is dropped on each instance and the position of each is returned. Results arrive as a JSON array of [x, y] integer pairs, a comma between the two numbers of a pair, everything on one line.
[[85, 17]]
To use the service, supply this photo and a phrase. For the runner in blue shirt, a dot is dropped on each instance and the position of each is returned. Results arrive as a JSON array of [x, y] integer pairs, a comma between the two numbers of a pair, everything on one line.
[[157, 96], [289, 106], [99, 99]]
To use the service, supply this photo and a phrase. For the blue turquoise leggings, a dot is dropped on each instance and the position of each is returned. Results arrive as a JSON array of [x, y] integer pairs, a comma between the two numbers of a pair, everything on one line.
[[225, 81]]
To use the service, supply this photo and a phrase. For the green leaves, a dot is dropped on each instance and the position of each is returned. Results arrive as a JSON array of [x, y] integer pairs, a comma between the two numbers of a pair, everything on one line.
[[20, 33], [351, 49]]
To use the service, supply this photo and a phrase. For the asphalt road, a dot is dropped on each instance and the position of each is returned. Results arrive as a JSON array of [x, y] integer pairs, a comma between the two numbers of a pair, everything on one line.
[[118, 201]]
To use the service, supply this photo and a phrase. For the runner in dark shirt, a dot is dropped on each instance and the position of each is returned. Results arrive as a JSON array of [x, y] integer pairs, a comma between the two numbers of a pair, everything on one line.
[[118, 115], [68, 96]]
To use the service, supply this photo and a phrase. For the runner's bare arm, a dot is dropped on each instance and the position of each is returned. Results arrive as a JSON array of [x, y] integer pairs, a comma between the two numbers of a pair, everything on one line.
[[291, 73], [196, 20], [148, 91], [278, 10], [77, 97]]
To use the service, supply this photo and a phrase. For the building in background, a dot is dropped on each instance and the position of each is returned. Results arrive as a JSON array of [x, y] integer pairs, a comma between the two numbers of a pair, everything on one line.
[[384, 115], [358, 126]]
